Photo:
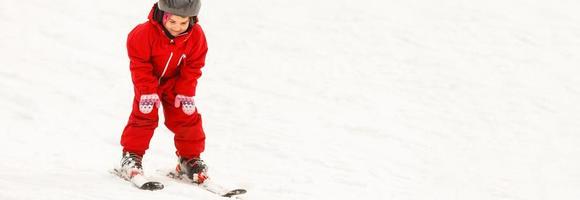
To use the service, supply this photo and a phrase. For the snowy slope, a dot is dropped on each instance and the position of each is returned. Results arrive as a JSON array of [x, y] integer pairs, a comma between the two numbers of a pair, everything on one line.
[[370, 99]]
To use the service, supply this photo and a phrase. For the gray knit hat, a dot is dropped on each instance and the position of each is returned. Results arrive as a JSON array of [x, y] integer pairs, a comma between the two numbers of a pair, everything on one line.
[[185, 8]]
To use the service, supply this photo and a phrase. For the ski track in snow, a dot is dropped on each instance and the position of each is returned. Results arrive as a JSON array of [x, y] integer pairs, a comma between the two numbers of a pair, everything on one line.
[[306, 100]]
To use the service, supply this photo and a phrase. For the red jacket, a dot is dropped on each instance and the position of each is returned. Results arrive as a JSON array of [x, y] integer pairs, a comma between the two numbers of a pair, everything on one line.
[[155, 58]]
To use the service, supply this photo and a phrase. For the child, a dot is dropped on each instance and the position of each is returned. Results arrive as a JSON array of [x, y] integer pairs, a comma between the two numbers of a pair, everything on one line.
[[166, 56]]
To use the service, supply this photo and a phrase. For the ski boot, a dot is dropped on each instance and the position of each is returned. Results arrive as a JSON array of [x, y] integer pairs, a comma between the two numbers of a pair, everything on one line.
[[132, 171], [131, 165], [194, 168]]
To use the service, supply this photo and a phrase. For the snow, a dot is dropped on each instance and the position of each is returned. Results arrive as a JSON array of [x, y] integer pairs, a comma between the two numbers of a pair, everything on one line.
[[326, 99]]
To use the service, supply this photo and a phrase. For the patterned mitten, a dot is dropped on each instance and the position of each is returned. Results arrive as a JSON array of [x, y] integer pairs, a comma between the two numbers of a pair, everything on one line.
[[187, 102], [147, 102]]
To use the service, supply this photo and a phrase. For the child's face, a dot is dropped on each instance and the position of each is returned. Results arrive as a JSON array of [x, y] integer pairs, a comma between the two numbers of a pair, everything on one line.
[[176, 24]]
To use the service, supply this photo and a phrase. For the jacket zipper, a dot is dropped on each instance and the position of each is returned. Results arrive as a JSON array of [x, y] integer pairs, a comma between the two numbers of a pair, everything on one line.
[[166, 65], [181, 58]]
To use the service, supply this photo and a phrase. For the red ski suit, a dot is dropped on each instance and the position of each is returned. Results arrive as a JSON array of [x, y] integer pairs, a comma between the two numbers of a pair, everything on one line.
[[166, 67]]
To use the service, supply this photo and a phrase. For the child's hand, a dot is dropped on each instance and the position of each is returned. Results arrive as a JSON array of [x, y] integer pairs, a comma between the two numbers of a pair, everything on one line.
[[188, 104], [147, 101]]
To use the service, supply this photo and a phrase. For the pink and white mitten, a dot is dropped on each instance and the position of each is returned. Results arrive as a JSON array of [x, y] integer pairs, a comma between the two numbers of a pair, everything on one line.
[[187, 102], [147, 102]]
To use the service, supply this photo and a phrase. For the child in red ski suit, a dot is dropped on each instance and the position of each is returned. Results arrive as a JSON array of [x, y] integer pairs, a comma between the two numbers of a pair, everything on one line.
[[166, 56]]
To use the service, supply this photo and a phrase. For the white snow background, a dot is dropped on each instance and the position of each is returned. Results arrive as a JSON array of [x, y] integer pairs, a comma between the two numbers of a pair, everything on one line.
[[306, 99]]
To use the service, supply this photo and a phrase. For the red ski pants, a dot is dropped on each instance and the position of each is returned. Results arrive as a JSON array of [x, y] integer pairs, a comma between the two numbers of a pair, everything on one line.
[[189, 137]]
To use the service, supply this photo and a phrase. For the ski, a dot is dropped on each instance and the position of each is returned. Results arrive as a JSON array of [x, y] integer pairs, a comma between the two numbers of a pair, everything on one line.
[[208, 185], [139, 181]]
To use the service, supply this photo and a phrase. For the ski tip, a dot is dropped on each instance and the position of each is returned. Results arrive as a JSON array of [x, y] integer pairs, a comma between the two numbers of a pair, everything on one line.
[[234, 192], [152, 186]]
